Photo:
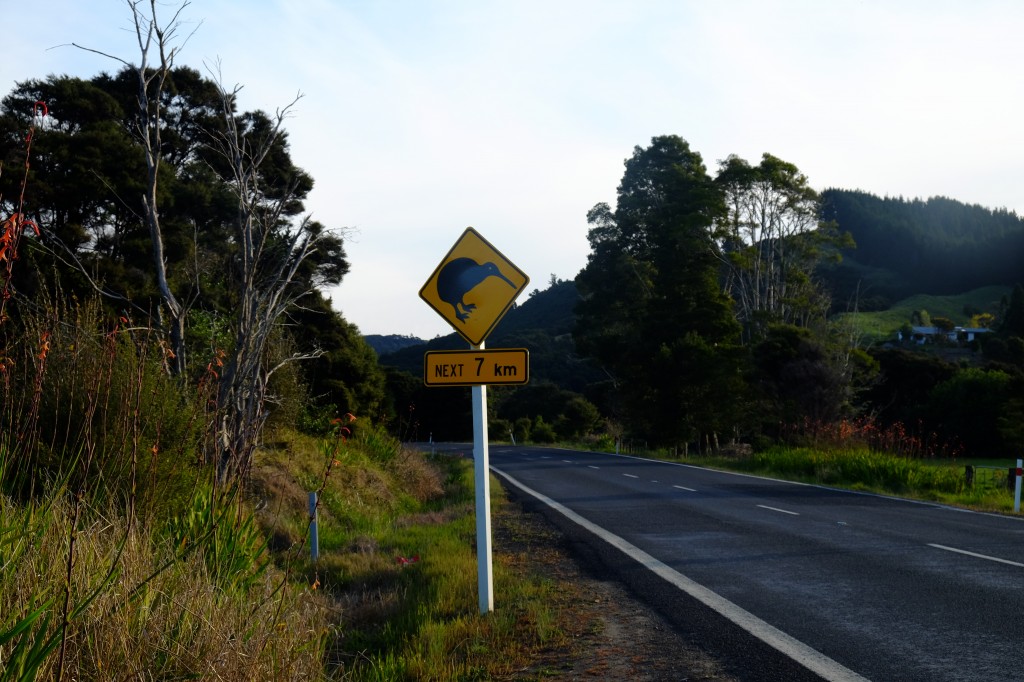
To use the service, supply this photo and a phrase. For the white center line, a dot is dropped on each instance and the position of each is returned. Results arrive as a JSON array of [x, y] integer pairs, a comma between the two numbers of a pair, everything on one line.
[[974, 554], [593, 467], [630, 476], [683, 487], [781, 511], [567, 461]]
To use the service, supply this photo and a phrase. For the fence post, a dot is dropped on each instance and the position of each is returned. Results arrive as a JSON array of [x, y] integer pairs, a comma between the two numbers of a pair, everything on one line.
[[314, 533], [1016, 488]]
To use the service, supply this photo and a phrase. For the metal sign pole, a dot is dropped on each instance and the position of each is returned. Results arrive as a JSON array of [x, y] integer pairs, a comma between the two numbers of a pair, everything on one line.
[[481, 473]]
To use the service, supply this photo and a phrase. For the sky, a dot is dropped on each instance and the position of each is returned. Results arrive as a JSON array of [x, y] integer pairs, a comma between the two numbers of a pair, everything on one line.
[[419, 118]]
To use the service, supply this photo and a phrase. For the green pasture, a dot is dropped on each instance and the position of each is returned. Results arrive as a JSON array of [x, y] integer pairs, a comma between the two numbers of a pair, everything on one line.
[[883, 324]]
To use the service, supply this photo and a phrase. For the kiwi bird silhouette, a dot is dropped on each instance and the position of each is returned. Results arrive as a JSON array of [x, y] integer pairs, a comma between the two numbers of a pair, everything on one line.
[[461, 276]]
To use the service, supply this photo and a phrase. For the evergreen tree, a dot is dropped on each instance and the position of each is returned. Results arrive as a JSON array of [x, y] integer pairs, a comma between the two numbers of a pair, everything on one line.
[[653, 313], [88, 179], [1013, 319]]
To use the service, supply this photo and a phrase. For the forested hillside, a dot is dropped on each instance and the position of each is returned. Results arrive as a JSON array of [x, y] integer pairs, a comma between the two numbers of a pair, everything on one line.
[[745, 343], [383, 344], [913, 246]]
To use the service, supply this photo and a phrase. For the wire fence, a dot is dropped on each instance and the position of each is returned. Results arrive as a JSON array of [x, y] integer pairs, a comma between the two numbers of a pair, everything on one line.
[[988, 477]]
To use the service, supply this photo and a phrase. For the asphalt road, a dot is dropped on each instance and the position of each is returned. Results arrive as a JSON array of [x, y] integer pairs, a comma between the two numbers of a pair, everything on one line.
[[791, 581]]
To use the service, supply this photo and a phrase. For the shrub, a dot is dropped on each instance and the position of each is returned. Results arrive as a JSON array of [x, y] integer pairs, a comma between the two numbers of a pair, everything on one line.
[[92, 403], [221, 530], [542, 432], [522, 428], [499, 429]]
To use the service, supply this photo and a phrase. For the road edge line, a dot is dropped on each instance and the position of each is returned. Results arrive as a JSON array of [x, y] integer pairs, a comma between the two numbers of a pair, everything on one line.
[[813, 660]]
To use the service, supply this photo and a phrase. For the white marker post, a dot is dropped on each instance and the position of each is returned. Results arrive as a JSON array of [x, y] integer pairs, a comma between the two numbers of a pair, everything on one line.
[[1016, 488], [314, 532], [482, 478]]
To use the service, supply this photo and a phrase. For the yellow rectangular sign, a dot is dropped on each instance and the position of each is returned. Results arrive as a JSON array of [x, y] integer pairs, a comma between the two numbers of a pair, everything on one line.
[[476, 367]]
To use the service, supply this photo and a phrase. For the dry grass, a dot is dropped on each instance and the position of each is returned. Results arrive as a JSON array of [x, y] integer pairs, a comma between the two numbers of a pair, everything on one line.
[[159, 616], [418, 478]]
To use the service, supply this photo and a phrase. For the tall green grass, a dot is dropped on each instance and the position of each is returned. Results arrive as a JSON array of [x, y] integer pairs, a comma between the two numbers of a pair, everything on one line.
[[119, 558], [860, 468], [138, 608]]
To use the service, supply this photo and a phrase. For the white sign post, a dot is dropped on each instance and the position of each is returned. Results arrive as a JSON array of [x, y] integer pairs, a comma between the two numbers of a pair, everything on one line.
[[472, 288], [482, 480]]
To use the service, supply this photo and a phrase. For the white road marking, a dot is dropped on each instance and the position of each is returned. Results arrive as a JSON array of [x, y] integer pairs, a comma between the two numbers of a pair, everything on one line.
[[976, 555], [630, 476], [567, 461], [813, 660], [683, 487], [776, 509], [591, 466]]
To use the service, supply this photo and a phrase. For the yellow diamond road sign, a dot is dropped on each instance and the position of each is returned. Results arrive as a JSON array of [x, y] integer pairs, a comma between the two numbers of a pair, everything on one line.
[[473, 287]]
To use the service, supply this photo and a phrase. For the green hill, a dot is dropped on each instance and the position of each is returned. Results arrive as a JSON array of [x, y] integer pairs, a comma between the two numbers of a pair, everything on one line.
[[390, 343], [883, 324], [904, 247]]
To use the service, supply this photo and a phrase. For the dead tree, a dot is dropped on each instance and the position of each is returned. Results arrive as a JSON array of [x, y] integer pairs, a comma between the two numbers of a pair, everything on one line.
[[271, 246], [271, 250], [151, 81], [152, 73]]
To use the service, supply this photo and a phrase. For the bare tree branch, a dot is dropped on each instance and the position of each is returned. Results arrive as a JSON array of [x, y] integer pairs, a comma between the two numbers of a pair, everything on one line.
[[152, 34], [272, 252]]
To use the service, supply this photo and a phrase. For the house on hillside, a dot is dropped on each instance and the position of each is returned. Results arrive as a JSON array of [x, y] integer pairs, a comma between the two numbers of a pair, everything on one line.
[[968, 334], [923, 335]]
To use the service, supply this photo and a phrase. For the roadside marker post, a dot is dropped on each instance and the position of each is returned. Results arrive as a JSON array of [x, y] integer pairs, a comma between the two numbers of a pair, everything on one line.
[[472, 289], [314, 532], [1016, 487]]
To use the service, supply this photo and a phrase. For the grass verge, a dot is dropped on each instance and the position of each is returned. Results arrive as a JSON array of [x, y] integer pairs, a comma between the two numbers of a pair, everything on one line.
[[397, 559], [862, 469]]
